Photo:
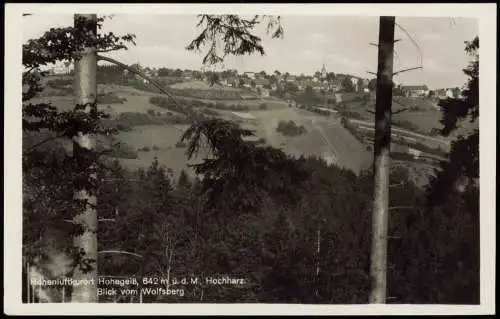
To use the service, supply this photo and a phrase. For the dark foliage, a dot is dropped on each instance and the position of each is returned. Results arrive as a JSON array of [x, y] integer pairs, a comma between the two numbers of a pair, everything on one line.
[[290, 128], [234, 33], [252, 212], [455, 109]]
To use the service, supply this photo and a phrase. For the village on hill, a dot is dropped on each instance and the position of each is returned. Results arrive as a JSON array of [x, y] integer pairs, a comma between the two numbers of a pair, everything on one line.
[[268, 84]]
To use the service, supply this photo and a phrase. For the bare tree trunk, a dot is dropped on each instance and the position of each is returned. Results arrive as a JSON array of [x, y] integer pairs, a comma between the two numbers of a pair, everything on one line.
[[381, 162], [85, 90], [318, 247]]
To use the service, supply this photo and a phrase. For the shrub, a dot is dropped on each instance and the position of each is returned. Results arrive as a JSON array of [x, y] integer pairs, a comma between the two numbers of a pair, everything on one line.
[[263, 106], [435, 132], [152, 113], [321, 112], [290, 128], [155, 148], [352, 115], [180, 144], [123, 127], [144, 149]]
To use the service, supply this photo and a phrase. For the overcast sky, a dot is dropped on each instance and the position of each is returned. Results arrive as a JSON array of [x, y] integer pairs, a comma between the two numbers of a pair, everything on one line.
[[341, 42]]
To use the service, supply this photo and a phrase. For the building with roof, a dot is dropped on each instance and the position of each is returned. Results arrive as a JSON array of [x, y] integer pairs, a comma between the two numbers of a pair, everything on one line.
[[260, 83], [250, 75], [415, 90]]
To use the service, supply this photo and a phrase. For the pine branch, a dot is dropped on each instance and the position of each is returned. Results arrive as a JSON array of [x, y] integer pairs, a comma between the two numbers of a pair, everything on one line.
[[141, 74], [119, 252], [233, 34], [406, 70], [41, 143], [118, 47]]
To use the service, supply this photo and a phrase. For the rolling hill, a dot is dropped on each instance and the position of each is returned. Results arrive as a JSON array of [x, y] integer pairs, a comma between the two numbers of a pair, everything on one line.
[[325, 136]]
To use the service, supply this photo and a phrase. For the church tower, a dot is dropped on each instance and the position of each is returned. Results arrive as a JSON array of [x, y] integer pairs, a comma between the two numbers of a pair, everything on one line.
[[323, 72]]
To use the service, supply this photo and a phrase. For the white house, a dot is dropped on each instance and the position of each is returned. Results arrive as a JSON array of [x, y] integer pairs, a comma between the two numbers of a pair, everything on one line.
[[354, 81], [247, 84], [448, 93], [251, 75], [415, 90], [338, 97], [62, 69]]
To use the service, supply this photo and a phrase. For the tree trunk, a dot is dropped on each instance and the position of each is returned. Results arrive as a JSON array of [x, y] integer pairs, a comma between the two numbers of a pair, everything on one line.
[[85, 90], [381, 163], [318, 247]]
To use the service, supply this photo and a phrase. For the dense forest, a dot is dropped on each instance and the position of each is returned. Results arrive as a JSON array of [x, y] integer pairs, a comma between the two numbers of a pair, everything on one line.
[[295, 229]]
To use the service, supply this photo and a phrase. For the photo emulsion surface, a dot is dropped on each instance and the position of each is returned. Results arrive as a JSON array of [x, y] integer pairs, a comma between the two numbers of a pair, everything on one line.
[[250, 159]]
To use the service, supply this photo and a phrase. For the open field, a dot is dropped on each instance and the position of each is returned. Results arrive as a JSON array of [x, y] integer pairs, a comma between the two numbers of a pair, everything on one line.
[[161, 140], [325, 136], [421, 114], [200, 85], [431, 141], [271, 103]]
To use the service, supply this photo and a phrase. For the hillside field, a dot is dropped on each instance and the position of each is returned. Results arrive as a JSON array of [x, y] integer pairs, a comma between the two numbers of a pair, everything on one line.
[[325, 137]]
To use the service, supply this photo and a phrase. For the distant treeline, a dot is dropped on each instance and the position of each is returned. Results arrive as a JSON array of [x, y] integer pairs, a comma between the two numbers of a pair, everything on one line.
[[191, 105], [212, 94], [314, 109]]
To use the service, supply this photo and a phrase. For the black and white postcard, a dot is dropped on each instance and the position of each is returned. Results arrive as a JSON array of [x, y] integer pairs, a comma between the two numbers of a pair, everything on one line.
[[250, 158]]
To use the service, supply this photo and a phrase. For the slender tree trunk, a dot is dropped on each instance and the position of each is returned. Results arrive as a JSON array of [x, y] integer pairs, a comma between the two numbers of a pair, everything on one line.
[[318, 247], [381, 162], [85, 90]]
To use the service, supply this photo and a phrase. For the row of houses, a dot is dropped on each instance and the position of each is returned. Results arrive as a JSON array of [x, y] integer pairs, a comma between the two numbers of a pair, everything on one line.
[[256, 81], [63, 69], [318, 82], [414, 90], [423, 91], [448, 93]]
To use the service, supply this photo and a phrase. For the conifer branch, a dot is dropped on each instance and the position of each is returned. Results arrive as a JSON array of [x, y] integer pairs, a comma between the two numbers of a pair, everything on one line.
[[139, 73]]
